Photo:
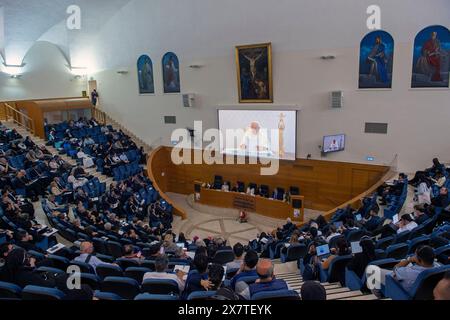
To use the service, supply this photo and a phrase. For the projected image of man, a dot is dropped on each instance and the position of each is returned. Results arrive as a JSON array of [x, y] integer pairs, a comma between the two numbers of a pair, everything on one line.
[[255, 139]]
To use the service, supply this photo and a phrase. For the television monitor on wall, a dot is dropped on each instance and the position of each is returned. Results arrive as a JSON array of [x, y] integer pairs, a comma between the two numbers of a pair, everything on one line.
[[259, 133], [334, 143]]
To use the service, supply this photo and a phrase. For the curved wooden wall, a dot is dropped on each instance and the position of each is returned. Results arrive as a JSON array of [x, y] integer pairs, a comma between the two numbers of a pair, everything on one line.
[[35, 109], [324, 184], [156, 169]]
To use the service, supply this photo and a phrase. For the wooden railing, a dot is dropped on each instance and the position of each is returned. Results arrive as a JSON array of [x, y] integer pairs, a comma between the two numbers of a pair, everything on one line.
[[21, 119], [151, 164]]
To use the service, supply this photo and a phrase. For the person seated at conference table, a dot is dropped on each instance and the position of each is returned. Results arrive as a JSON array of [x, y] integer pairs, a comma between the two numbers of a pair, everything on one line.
[[225, 186], [277, 194], [250, 191]]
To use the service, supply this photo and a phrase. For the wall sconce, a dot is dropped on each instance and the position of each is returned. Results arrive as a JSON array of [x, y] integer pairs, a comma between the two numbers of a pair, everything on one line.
[[122, 72], [79, 71], [13, 70]]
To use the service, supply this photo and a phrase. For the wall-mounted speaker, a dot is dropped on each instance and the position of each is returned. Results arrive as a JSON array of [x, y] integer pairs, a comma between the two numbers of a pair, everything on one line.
[[188, 100], [337, 99]]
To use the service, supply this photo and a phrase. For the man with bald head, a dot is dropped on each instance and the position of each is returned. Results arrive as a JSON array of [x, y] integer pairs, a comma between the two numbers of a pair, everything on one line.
[[86, 255], [442, 289], [265, 282]]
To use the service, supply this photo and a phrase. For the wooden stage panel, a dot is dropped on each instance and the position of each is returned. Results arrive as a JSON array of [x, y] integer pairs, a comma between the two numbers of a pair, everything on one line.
[[325, 185], [241, 201]]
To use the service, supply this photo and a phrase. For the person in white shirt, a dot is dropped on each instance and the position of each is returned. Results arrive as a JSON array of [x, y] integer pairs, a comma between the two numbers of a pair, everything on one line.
[[161, 263], [406, 223]]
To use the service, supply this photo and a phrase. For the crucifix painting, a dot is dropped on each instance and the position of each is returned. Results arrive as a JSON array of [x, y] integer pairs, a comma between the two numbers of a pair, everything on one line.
[[254, 73]]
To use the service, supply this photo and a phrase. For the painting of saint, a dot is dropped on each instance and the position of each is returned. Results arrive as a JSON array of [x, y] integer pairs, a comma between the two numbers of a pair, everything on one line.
[[171, 73], [376, 60], [145, 75], [431, 62], [254, 73]]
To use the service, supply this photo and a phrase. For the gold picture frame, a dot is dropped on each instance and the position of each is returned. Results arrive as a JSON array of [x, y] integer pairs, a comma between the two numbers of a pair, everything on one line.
[[254, 73]]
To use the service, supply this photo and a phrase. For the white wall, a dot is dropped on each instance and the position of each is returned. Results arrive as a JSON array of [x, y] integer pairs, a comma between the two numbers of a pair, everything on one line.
[[45, 75], [206, 31]]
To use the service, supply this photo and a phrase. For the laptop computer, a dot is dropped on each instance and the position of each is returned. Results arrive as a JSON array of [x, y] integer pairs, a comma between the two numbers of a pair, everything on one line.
[[323, 250]]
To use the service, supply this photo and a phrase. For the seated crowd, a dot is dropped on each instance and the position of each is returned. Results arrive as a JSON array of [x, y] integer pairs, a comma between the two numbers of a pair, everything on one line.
[[416, 241], [125, 249], [92, 143]]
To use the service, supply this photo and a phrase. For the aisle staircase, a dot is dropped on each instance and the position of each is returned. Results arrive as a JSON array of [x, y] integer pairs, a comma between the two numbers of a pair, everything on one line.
[[334, 290]]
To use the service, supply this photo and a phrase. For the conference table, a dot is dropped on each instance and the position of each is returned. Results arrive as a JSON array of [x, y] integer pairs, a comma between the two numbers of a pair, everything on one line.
[[250, 203]]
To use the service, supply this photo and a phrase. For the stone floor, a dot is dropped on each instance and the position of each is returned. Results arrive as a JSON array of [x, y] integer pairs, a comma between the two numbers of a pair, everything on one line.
[[204, 221]]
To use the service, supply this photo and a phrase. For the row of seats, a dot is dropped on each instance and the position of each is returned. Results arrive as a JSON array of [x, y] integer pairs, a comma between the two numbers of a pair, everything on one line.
[[126, 287], [395, 203], [124, 172]]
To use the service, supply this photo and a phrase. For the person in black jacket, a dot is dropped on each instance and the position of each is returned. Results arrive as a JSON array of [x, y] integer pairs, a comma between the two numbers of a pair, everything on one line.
[[360, 261], [19, 269]]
